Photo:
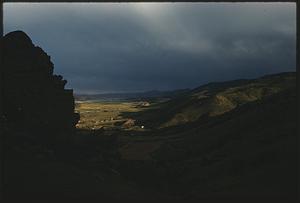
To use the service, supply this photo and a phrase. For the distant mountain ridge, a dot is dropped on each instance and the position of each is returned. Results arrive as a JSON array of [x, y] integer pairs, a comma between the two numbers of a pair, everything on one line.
[[130, 95]]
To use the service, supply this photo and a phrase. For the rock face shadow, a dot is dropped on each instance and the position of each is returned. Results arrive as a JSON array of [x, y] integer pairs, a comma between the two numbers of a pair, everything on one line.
[[33, 97]]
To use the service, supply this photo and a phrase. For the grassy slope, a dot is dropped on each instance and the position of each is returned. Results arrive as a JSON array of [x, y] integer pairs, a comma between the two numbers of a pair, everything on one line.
[[247, 152], [215, 99]]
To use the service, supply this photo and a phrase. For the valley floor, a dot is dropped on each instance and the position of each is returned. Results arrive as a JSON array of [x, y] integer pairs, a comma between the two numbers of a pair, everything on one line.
[[136, 142], [217, 142]]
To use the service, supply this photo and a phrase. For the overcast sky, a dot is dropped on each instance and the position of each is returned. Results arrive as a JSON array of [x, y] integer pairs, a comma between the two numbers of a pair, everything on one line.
[[113, 47]]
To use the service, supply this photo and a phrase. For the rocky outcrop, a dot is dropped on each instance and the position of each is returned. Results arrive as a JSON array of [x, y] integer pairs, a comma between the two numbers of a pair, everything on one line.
[[32, 96], [129, 123]]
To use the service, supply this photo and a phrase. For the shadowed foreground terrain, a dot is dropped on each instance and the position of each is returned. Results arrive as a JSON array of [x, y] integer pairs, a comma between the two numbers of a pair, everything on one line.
[[229, 140]]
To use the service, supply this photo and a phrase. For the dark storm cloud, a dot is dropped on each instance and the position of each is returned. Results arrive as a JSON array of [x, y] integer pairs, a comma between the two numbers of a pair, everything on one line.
[[135, 47]]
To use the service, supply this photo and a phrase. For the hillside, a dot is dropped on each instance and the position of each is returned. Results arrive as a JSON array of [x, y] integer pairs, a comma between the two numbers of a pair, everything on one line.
[[215, 99], [248, 152]]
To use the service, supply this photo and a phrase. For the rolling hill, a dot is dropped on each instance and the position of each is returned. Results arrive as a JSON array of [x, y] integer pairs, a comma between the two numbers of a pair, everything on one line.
[[215, 99], [241, 146]]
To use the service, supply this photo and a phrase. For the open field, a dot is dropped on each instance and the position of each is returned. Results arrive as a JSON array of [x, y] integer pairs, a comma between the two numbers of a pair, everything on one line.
[[105, 115], [108, 118]]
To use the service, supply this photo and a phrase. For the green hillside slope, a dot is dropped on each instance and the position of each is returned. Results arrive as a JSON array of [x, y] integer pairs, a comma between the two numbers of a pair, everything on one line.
[[215, 99], [249, 152]]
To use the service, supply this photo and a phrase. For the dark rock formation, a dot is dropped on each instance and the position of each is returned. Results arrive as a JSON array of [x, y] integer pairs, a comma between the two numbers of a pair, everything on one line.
[[32, 96]]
